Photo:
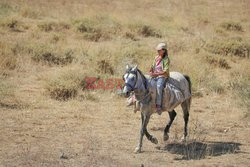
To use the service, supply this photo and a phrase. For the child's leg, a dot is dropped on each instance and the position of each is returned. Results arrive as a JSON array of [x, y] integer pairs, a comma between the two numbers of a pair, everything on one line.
[[159, 90]]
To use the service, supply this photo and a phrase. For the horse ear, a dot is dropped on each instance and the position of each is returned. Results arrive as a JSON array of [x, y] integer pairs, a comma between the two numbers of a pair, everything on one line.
[[135, 68], [127, 67]]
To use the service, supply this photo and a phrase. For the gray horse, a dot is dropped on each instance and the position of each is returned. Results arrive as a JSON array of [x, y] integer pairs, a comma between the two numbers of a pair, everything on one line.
[[177, 91]]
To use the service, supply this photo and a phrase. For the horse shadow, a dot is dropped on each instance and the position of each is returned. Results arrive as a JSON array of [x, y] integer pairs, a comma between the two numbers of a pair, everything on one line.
[[199, 150]]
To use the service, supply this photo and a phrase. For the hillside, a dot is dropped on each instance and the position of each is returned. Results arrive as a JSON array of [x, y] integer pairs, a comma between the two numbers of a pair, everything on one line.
[[49, 48]]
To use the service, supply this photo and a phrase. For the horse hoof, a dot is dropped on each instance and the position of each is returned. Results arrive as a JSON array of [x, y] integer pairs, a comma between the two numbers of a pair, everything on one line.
[[154, 140], [137, 150], [165, 137]]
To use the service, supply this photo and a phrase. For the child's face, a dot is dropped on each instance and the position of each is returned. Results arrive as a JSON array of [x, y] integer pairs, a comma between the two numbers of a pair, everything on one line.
[[161, 52]]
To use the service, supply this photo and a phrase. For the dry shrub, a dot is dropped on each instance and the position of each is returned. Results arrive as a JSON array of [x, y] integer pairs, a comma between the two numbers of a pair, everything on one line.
[[233, 46], [5, 9], [231, 26], [8, 98], [13, 24], [53, 26], [214, 84], [144, 30], [97, 28], [131, 36], [103, 66], [51, 56], [95, 36], [217, 62], [240, 85], [10, 23], [29, 13], [8, 59], [65, 84]]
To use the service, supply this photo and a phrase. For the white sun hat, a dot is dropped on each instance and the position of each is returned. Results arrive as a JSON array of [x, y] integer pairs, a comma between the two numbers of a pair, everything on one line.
[[161, 46]]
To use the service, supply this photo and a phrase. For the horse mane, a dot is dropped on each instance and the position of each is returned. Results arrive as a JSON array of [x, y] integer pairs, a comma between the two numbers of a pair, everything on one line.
[[144, 78]]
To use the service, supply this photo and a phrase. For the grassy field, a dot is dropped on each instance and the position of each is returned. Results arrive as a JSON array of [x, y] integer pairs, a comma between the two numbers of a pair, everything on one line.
[[49, 47]]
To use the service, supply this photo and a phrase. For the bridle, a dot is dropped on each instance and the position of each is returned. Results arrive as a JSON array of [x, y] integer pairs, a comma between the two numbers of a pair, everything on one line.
[[133, 88], [128, 84]]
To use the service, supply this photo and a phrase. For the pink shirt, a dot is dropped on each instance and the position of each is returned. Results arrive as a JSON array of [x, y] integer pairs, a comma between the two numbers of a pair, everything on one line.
[[158, 65]]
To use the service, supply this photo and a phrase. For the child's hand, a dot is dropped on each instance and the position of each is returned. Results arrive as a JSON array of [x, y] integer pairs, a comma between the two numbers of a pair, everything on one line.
[[153, 74]]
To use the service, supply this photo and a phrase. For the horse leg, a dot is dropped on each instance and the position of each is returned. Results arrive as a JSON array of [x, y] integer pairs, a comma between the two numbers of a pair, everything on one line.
[[145, 119], [149, 137], [186, 108], [172, 115]]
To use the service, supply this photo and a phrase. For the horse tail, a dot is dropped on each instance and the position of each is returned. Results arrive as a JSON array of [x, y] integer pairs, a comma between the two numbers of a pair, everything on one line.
[[189, 83]]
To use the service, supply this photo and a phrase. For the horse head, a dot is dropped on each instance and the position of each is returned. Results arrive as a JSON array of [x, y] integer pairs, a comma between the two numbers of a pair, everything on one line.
[[130, 80]]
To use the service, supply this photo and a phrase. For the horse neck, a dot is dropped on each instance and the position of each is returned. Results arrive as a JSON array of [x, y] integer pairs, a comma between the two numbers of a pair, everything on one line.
[[141, 87]]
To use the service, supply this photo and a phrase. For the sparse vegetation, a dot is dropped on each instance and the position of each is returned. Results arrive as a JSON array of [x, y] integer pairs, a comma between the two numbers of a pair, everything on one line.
[[232, 26], [53, 26], [241, 88], [235, 47], [217, 62], [5, 9], [98, 28], [48, 50], [104, 67], [144, 30], [48, 55], [65, 85]]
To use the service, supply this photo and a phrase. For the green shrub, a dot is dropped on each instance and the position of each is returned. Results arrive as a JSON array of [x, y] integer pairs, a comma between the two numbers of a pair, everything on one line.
[[232, 26], [231, 46]]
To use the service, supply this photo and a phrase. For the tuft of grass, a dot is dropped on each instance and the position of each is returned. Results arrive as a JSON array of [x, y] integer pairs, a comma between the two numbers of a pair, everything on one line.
[[29, 13], [5, 9], [232, 26], [97, 28], [64, 85], [144, 30], [10, 23], [8, 59], [130, 35], [233, 46], [13, 24], [103, 66], [8, 99], [240, 85], [53, 26], [217, 62], [50, 56]]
